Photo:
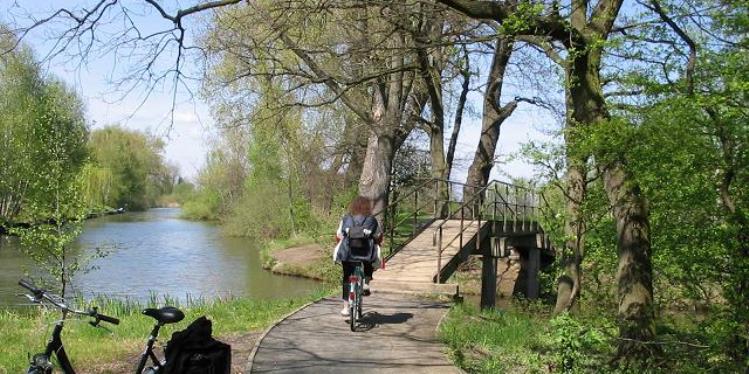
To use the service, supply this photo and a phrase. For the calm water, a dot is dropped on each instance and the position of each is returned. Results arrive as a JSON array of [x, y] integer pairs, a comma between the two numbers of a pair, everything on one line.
[[156, 252]]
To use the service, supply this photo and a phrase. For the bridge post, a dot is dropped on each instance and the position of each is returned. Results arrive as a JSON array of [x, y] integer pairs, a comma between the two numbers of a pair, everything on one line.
[[488, 281], [489, 271], [534, 265]]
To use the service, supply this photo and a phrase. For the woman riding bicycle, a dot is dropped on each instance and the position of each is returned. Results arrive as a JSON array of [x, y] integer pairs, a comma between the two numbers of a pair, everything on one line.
[[358, 238]]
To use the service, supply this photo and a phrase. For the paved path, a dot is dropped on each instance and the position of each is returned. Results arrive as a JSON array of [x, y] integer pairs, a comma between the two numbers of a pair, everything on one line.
[[397, 335]]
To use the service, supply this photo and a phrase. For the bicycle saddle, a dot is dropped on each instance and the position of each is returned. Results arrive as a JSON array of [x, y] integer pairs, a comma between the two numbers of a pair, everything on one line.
[[167, 314]]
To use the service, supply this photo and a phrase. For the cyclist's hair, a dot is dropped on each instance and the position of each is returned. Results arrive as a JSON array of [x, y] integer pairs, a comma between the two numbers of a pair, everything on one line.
[[361, 206]]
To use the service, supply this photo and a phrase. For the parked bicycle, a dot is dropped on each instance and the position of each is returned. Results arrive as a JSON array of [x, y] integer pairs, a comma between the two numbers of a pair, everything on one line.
[[162, 316], [41, 362], [356, 295]]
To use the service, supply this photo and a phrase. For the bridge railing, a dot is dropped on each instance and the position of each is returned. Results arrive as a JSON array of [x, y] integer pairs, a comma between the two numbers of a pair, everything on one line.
[[413, 208], [514, 205], [406, 213], [517, 207]]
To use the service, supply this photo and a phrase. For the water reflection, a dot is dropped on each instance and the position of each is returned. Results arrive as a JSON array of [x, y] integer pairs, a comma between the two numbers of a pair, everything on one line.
[[155, 252]]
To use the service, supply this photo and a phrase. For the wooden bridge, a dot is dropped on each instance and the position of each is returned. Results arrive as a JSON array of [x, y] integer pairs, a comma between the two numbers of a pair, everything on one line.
[[430, 235]]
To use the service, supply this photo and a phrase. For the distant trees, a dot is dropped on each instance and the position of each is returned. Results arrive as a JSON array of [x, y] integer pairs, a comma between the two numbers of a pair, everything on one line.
[[127, 169], [43, 129]]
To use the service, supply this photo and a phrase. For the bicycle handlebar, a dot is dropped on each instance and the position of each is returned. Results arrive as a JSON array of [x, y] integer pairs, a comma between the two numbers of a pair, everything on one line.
[[25, 284], [101, 317], [39, 295]]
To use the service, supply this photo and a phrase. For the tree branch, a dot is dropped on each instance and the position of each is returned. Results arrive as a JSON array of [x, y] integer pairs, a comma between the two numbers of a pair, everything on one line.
[[325, 77], [603, 17], [692, 60], [544, 44], [552, 25]]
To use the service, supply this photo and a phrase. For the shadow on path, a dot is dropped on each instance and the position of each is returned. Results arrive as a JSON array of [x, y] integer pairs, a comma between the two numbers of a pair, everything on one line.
[[396, 335], [371, 320]]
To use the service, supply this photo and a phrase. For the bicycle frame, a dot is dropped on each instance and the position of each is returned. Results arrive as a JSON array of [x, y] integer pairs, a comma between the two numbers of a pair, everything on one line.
[[148, 353], [40, 362]]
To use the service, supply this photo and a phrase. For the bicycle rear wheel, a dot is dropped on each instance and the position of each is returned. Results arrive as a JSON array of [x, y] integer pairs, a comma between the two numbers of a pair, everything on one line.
[[360, 297], [353, 308]]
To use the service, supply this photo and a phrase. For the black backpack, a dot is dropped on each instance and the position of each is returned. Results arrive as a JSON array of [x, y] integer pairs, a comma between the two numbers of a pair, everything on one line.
[[193, 350], [358, 240]]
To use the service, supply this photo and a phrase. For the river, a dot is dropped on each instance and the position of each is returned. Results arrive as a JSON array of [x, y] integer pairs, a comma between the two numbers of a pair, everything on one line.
[[156, 252]]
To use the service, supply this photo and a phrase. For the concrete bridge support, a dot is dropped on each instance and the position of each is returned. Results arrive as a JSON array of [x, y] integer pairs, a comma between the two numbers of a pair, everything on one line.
[[493, 248]]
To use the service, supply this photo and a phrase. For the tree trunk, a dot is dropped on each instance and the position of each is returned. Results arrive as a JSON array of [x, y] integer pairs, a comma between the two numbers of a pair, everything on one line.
[[431, 74], [634, 274], [458, 117], [375, 175], [736, 288], [493, 116], [737, 293], [569, 283]]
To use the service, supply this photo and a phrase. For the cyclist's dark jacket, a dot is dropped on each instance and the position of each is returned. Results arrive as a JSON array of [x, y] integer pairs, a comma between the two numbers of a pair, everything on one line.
[[342, 252]]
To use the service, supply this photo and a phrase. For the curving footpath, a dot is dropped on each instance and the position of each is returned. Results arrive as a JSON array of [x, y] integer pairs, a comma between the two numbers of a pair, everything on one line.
[[397, 335]]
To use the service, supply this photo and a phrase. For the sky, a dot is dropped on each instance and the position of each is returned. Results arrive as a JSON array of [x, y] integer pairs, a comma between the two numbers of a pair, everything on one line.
[[188, 136]]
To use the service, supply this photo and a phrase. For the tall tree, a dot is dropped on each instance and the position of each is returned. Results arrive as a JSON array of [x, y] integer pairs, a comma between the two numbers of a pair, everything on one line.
[[354, 56], [702, 93], [494, 114], [583, 34]]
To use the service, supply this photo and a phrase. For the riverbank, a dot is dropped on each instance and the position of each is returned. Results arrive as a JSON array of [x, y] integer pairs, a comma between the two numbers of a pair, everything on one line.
[[115, 349], [156, 252], [301, 257], [6, 228]]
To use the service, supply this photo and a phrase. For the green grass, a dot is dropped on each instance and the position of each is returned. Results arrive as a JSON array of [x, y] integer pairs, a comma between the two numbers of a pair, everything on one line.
[[525, 338], [494, 341], [23, 332]]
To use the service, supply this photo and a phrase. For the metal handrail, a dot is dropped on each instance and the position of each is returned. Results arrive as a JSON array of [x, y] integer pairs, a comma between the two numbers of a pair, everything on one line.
[[401, 198], [391, 224], [438, 229]]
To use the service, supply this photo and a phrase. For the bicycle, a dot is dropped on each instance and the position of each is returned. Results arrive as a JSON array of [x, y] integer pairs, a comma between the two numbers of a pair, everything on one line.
[[41, 363], [356, 294], [163, 316]]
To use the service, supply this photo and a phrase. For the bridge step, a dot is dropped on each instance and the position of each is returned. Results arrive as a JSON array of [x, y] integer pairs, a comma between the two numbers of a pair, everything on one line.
[[413, 287]]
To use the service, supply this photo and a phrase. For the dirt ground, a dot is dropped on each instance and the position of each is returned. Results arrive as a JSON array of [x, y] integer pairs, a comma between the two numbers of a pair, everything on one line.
[[299, 256], [469, 277]]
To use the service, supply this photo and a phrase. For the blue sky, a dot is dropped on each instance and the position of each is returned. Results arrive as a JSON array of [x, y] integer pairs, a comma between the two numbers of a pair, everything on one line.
[[189, 137]]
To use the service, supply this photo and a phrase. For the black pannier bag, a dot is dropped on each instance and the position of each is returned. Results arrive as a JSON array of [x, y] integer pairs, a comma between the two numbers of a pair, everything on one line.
[[193, 350], [358, 240]]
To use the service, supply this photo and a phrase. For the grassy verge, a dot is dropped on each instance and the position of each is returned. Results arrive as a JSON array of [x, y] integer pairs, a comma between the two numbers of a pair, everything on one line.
[[494, 341], [23, 332], [524, 338]]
